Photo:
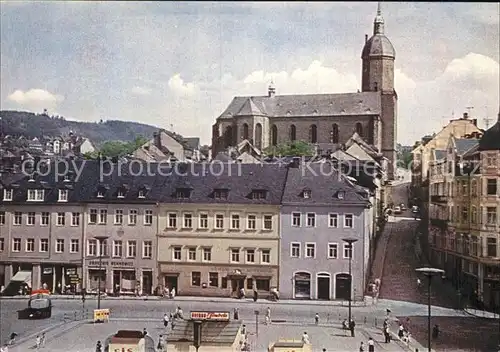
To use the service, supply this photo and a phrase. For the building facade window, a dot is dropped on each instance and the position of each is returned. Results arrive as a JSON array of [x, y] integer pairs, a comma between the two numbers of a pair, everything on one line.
[[491, 215], [333, 220], [2, 244], [188, 221], [18, 218], [61, 219], [2, 218], [219, 221], [333, 250], [250, 255], [36, 195], [93, 216], [251, 222], [195, 278], [295, 250], [235, 255], [148, 217], [92, 248], [75, 219], [310, 250], [147, 249], [118, 216], [63, 195], [313, 134], [213, 279], [235, 222], [348, 250], [268, 222], [265, 256], [311, 220], [117, 249], [172, 220], [30, 220], [207, 254], [491, 247], [103, 216], [16, 245], [335, 133], [293, 133], [60, 245], [177, 253], [7, 195], [203, 221], [491, 186], [192, 254], [296, 219], [348, 221], [74, 246], [30, 245], [132, 217], [44, 245], [131, 249]]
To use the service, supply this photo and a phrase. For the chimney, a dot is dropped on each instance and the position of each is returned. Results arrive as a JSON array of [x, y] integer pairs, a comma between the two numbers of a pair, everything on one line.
[[271, 91], [474, 121], [466, 115], [157, 139], [366, 38]]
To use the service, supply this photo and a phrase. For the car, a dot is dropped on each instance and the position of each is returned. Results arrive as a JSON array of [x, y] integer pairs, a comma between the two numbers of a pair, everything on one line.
[[397, 210]]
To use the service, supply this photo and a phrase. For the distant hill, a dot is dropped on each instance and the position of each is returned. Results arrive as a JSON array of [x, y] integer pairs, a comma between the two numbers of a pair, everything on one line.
[[30, 125]]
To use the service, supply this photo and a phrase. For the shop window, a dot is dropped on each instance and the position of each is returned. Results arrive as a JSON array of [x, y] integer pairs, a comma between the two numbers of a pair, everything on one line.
[[213, 279], [195, 278], [249, 283], [263, 284], [223, 282]]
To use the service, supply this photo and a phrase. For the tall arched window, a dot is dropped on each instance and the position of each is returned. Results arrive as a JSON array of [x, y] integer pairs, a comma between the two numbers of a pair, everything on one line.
[[335, 133], [245, 131], [359, 129], [228, 137], [258, 136], [313, 134], [274, 135], [293, 133]]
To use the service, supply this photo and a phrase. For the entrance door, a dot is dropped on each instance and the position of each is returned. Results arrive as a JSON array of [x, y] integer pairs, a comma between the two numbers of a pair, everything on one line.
[[343, 286], [147, 282], [324, 286], [236, 285], [171, 282], [302, 285]]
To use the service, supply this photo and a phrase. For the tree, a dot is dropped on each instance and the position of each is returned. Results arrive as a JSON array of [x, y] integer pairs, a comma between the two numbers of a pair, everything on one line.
[[118, 149], [298, 148]]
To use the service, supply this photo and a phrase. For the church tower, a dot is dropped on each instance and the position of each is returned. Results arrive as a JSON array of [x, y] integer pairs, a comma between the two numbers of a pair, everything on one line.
[[378, 76]]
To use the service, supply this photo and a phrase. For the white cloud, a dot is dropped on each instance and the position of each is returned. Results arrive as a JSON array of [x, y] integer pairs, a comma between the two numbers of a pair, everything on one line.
[[179, 87], [141, 91], [34, 97]]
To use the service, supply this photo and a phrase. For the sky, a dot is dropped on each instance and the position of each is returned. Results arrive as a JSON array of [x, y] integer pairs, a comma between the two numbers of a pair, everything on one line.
[[177, 65]]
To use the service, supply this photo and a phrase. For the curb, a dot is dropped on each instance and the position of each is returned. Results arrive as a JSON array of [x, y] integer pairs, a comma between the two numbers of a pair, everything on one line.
[[479, 316]]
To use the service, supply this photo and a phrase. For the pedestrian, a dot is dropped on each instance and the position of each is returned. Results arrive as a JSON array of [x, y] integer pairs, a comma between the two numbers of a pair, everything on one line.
[[172, 293], [43, 340], [268, 313], [38, 342], [98, 347], [419, 283], [12, 338], [305, 338], [5, 348], [161, 344], [236, 314], [352, 325], [345, 327], [362, 347], [166, 292], [371, 345], [165, 320], [387, 334], [316, 319], [435, 332], [178, 313], [255, 295], [144, 332], [242, 293], [401, 331]]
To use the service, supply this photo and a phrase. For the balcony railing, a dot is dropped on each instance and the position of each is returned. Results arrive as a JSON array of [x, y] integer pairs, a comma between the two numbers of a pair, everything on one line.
[[441, 223], [438, 199]]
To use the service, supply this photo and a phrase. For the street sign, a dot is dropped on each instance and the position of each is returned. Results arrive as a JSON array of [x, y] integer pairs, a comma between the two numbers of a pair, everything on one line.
[[210, 316]]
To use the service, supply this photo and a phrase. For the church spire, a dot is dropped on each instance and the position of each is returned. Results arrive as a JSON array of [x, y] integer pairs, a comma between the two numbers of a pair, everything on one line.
[[378, 23]]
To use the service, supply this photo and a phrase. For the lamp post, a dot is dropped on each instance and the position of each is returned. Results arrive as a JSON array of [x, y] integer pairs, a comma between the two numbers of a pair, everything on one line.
[[349, 242], [429, 272], [100, 241]]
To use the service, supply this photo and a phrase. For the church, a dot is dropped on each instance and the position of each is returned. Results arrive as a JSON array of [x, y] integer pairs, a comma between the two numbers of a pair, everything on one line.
[[275, 119]]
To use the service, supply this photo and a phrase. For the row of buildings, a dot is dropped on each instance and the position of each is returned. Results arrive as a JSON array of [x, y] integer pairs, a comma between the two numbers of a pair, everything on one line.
[[457, 172], [205, 229]]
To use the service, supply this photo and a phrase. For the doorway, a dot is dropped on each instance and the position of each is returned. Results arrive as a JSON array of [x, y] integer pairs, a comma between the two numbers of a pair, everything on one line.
[[172, 282], [236, 285], [343, 286], [147, 282], [302, 285], [323, 286]]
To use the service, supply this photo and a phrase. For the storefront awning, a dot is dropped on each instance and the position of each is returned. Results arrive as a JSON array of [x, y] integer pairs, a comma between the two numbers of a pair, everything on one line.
[[22, 276]]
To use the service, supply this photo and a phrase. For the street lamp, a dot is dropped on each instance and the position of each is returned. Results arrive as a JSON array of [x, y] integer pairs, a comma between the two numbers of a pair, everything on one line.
[[349, 242], [100, 241], [429, 272]]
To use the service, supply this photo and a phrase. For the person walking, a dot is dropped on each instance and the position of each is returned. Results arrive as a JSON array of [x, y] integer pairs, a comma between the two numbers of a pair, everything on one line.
[[401, 331], [38, 342], [144, 332], [345, 327], [305, 338], [268, 316], [371, 345], [352, 325], [362, 347], [316, 319], [236, 314], [161, 344], [255, 295], [387, 334], [165, 320], [98, 347]]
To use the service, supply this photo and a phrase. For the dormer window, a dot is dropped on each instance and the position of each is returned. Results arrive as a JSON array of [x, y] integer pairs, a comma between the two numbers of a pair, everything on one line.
[[36, 195], [306, 194], [63, 195], [141, 194], [182, 193], [8, 194], [340, 194], [258, 194], [221, 193], [100, 194], [66, 178], [32, 178], [120, 194]]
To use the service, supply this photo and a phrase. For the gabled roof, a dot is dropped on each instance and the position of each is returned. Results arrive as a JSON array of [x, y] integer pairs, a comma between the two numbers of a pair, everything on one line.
[[324, 181], [301, 105], [358, 152], [491, 138], [463, 145], [341, 155], [439, 154]]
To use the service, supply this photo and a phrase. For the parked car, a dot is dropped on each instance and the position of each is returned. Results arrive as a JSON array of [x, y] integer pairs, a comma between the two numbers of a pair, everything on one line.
[[397, 210]]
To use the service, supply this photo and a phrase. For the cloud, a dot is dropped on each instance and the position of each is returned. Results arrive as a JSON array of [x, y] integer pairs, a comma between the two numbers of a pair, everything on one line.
[[141, 91], [35, 98], [179, 88]]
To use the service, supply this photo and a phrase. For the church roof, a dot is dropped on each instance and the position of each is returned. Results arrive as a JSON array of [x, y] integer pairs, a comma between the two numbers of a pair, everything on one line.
[[491, 138], [305, 105], [378, 45]]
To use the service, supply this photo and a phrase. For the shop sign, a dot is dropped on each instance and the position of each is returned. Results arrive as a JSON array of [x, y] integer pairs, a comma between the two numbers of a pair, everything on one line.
[[47, 271], [114, 263], [101, 315], [70, 271], [210, 316], [123, 347]]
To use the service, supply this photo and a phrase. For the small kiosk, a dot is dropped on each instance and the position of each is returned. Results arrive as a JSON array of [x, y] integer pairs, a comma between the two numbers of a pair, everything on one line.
[[290, 346]]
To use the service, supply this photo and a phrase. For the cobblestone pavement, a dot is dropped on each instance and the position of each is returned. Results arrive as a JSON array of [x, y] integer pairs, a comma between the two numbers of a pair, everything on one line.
[[83, 338]]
